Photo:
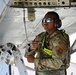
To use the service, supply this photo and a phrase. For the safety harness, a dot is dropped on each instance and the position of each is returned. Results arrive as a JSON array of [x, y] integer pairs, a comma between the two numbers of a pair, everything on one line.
[[49, 51]]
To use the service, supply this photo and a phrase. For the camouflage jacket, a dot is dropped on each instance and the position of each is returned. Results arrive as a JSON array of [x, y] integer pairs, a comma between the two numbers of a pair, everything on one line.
[[57, 45]]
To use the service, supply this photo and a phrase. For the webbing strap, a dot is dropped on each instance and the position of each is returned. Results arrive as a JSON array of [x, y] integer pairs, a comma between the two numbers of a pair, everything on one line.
[[47, 51]]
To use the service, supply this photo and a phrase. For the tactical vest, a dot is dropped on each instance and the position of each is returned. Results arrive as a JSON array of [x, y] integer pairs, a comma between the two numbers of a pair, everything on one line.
[[43, 51], [47, 53]]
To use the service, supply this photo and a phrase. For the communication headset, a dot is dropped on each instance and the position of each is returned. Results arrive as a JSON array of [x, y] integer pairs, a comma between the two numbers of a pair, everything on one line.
[[57, 20]]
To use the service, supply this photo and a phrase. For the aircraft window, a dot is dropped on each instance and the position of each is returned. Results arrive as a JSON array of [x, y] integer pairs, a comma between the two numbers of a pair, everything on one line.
[[53, 3], [30, 3], [26, 3], [48, 3], [44, 3], [63, 2], [40, 3], [20, 2], [35, 3], [15, 2]]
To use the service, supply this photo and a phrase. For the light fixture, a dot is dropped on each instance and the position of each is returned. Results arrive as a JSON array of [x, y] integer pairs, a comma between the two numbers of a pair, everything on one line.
[[31, 14]]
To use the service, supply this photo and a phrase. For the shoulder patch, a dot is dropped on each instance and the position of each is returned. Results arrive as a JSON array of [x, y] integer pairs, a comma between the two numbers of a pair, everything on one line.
[[59, 51]]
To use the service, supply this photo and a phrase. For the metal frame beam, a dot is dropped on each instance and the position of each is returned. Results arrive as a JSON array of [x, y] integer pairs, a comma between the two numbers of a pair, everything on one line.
[[42, 3]]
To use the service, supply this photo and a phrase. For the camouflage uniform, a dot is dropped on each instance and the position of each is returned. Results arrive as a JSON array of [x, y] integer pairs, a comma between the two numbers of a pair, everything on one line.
[[55, 58]]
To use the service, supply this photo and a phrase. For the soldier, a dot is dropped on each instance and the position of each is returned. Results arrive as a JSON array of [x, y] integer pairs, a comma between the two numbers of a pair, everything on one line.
[[49, 51]]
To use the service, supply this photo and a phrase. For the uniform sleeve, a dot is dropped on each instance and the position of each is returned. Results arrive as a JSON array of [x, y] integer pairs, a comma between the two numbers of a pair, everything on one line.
[[33, 52], [59, 51]]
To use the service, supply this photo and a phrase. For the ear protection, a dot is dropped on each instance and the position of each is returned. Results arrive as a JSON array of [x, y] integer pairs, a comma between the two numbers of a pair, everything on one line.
[[58, 23], [56, 19]]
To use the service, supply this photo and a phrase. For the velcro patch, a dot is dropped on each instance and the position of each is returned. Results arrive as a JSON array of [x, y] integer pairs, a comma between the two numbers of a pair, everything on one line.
[[59, 51]]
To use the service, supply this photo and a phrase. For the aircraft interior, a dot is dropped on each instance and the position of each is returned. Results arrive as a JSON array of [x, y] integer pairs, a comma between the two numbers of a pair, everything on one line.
[[21, 21]]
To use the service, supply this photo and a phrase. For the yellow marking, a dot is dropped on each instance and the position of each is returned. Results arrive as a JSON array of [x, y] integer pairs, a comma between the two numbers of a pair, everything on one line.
[[47, 51]]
